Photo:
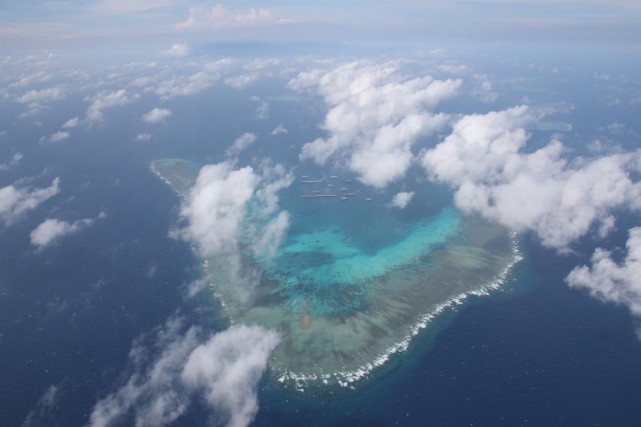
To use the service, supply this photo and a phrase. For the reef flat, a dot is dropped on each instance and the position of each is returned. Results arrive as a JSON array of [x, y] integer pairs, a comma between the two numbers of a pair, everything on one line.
[[352, 283]]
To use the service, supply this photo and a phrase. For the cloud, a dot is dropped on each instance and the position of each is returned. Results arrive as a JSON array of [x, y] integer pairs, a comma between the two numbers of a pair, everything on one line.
[[154, 393], [51, 230], [227, 369], [178, 49], [599, 76], [241, 143], [243, 80], [37, 99], [26, 80], [16, 201], [610, 281], [274, 178], [479, 146], [182, 86], [71, 123], [228, 208], [157, 115], [44, 95], [484, 92], [262, 111], [483, 160], [105, 100], [56, 137], [15, 161], [272, 236], [220, 17], [224, 369], [143, 136], [217, 205], [124, 7], [402, 199], [45, 404], [278, 130], [375, 116]]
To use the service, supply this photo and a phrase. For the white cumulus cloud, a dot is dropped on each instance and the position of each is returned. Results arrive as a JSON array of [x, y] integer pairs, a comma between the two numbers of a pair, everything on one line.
[[483, 159], [242, 81], [226, 369], [402, 199], [217, 214], [375, 116], [52, 230], [610, 281], [157, 115], [217, 205]]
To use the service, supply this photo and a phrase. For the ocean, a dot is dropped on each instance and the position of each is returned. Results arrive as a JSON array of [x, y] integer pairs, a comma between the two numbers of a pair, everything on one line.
[[534, 353]]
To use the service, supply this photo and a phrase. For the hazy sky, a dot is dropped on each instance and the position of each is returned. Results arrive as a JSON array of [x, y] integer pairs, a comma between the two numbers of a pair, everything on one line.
[[50, 24]]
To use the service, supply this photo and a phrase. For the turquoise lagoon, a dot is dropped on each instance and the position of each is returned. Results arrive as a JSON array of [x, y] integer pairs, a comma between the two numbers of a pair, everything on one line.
[[353, 281]]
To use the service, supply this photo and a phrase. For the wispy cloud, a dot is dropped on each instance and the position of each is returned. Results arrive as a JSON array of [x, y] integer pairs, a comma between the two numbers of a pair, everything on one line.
[[15, 161], [220, 17], [43, 95], [144, 136], [242, 81], [72, 23], [157, 115], [222, 368], [36, 100], [189, 85], [125, 7], [45, 405], [279, 130], [178, 49], [56, 137], [16, 201], [262, 111], [241, 143], [71, 123], [106, 100]]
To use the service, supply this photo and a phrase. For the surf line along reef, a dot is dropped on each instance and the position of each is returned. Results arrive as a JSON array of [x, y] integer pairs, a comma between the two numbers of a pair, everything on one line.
[[351, 284]]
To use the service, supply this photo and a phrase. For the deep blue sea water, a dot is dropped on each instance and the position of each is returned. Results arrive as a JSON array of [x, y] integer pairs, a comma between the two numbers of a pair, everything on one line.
[[534, 354]]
